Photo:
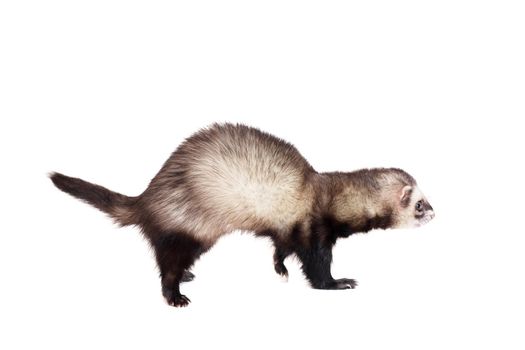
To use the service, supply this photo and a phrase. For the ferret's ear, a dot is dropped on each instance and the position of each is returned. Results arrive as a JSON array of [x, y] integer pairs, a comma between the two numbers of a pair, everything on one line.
[[404, 197]]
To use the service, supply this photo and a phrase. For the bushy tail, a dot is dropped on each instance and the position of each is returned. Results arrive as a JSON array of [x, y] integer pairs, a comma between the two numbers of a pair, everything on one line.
[[118, 206]]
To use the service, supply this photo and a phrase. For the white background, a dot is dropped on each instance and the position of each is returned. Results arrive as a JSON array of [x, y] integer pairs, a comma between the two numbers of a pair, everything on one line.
[[106, 90]]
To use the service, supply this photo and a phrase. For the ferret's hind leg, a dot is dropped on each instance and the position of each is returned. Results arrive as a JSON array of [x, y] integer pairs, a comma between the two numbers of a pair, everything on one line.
[[175, 253]]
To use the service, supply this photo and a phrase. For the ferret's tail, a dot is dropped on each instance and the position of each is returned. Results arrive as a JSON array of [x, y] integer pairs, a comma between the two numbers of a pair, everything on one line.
[[118, 206]]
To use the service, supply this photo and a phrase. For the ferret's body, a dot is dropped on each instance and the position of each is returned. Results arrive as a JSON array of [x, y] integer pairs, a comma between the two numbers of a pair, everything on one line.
[[233, 177]]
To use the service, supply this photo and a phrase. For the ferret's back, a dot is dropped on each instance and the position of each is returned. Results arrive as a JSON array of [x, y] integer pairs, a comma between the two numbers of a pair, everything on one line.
[[230, 177]]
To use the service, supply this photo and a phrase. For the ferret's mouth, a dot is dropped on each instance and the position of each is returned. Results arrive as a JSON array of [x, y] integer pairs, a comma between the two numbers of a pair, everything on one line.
[[426, 219]]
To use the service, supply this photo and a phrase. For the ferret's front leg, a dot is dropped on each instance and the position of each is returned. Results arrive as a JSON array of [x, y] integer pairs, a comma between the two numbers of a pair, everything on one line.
[[316, 260]]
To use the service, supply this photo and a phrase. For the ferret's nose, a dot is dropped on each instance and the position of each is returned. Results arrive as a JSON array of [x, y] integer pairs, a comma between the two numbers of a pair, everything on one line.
[[431, 214]]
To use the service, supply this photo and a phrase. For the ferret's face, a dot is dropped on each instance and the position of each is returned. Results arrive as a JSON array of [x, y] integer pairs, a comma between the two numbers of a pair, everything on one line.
[[414, 209]]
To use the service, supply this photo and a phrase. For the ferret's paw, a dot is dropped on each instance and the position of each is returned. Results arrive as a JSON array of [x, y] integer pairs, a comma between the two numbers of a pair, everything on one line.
[[187, 276], [345, 283], [282, 271], [179, 300]]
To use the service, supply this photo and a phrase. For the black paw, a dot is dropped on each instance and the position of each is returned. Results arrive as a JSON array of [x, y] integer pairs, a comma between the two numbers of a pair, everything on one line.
[[178, 300], [174, 298], [281, 270], [345, 283], [187, 276]]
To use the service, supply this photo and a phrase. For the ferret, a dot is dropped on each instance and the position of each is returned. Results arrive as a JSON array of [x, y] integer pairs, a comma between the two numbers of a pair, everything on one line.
[[229, 177]]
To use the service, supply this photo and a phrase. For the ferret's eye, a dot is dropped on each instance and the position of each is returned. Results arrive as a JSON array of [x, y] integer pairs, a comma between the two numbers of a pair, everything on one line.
[[419, 206]]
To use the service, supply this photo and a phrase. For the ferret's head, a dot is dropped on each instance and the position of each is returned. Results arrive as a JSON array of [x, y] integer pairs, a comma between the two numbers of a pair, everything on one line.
[[413, 209]]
